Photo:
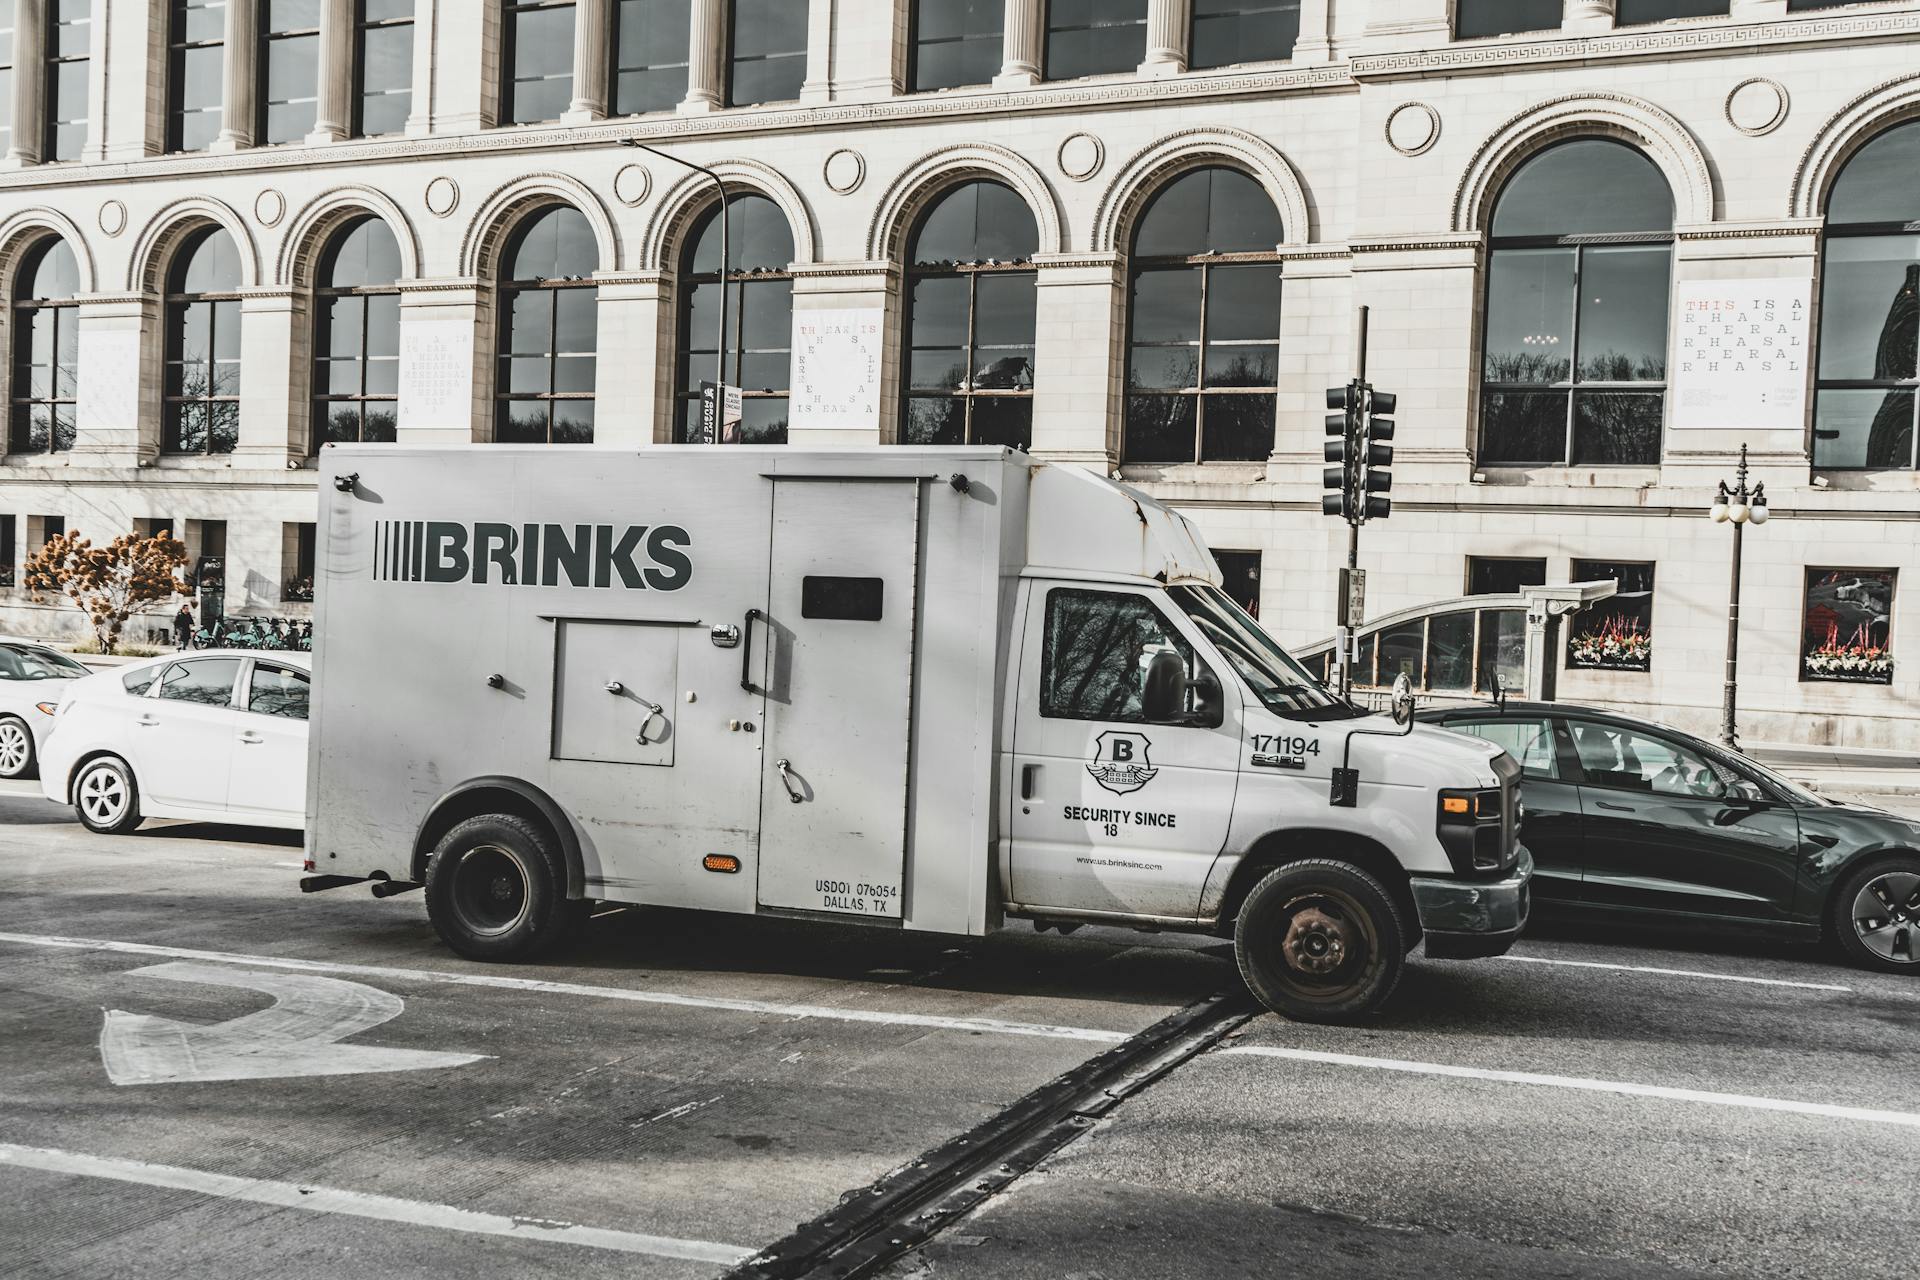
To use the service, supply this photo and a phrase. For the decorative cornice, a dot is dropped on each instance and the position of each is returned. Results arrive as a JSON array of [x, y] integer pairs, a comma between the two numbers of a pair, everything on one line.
[[1806, 228], [1395, 244]]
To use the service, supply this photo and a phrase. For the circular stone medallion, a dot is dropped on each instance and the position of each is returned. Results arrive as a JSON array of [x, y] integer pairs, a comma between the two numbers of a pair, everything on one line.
[[1413, 128], [631, 184], [269, 207], [844, 171], [1757, 106], [1081, 156], [113, 217], [443, 196]]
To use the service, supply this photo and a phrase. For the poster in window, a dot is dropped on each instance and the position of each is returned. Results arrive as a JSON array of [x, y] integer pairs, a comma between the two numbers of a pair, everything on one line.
[[1615, 634], [1846, 629], [1740, 354]]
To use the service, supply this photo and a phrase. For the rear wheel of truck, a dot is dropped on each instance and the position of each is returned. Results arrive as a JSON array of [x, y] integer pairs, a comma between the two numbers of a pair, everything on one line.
[[1320, 941], [497, 889]]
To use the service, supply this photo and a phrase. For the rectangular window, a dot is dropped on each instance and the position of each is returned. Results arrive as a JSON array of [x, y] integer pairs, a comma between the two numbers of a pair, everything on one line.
[[1632, 13], [6, 78], [1530, 742], [538, 86], [277, 691], [1226, 32], [768, 57], [153, 526], [9, 551], [1502, 576], [1846, 628], [955, 42], [196, 73], [383, 67], [844, 599], [296, 561], [1475, 19], [1095, 37], [289, 70], [1615, 634], [650, 55], [207, 681], [1093, 660], [69, 32]]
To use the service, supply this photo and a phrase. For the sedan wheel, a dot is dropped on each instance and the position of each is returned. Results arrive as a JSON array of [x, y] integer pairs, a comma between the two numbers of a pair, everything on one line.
[[105, 798], [1877, 912], [16, 749]]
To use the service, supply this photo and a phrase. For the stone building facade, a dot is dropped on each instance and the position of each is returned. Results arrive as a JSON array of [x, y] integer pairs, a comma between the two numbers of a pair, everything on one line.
[[202, 164]]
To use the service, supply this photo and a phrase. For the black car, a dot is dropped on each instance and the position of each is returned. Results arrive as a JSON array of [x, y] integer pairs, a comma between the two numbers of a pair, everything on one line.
[[1623, 815]]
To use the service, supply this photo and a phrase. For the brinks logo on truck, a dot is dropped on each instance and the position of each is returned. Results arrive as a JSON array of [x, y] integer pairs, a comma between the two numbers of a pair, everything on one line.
[[637, 557], [1120, 761]]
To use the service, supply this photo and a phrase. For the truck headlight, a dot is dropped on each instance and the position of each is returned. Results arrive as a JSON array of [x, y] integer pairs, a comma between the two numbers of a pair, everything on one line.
[[1472, 828]]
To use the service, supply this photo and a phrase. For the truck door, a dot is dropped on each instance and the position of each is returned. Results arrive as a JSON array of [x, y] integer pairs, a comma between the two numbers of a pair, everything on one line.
[[837, 673], [1111, 813]]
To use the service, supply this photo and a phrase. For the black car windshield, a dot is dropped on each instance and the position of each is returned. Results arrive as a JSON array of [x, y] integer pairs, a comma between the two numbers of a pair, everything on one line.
[[31, 662], [1282, 685]]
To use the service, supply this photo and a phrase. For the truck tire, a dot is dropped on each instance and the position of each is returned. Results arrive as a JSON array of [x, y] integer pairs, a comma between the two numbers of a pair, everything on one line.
[[105, 797], [1320, 941], [497, 889], [1875, 914], [16, 748]]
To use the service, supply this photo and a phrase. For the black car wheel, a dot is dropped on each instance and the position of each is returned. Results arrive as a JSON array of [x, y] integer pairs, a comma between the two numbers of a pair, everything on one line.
[[1320, 941], [497, 889], [1876, 915]]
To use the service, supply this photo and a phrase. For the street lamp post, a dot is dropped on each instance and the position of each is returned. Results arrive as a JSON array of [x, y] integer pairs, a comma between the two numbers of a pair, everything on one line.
[[720, 347], [1739, 507]]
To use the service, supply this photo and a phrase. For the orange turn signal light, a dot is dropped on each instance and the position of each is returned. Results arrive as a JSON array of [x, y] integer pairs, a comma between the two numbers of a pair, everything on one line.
[[1454, 804], [723, 862]]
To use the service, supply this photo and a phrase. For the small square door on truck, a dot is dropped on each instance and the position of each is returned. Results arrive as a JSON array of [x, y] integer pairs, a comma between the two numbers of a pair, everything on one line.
[[838, 679], [614, 691]]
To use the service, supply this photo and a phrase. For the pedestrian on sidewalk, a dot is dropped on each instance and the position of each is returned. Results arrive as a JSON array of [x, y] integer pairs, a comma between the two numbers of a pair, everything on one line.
[[183, 626]]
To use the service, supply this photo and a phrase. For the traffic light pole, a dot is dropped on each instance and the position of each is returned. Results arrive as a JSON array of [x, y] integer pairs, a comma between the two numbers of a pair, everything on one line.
[[1348, 625]]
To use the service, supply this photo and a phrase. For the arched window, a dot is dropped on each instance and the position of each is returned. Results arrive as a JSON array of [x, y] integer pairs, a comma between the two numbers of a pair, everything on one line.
[[45, 323], [1203, 322], [1575, 363], [548, 307], [356, 340], [970, 314], [203, 345], [1870, 309], [759, 284]]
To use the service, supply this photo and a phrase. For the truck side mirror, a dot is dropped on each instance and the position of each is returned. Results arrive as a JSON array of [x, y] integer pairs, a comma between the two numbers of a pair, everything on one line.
[[1163, 698], [1403, 700]]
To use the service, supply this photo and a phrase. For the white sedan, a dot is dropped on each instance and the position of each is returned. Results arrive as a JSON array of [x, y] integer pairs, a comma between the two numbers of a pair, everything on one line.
[[32, 680], [217, 735]]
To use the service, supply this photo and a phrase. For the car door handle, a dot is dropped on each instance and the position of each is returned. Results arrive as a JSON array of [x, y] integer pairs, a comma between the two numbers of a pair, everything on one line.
[[1616, 808], [147, 721], [251, 738]]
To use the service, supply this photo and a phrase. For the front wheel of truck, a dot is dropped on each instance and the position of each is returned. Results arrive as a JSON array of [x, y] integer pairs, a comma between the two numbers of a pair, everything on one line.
[[1320, 941], [497, 889]]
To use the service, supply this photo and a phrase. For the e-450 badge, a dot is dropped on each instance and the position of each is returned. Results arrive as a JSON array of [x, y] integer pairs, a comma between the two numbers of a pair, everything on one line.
[[1120, 761]]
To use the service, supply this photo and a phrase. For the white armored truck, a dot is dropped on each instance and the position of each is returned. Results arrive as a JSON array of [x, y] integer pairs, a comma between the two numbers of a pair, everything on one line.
[[933, 689]]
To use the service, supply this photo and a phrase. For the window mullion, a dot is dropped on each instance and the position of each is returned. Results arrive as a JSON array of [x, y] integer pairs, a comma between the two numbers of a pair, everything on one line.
[[1573, 349], [1200, 371], [968, 354]]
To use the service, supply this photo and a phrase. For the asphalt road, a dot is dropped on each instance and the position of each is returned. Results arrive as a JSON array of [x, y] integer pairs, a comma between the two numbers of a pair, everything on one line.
[[682, 1090]]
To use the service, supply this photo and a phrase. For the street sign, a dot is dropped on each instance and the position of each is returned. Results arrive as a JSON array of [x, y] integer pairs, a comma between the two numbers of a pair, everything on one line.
[[721, 409], [296, 1037], [1352, 604]]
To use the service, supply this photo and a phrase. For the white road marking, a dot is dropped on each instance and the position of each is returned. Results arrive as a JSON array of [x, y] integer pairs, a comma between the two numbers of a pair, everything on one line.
[[1576, 1082], [294, 1037], [356, 1204], [932, 1022], [1679, 973]]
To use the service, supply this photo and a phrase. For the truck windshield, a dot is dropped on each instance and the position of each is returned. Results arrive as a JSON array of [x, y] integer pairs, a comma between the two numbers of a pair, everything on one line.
[[1280, 683]]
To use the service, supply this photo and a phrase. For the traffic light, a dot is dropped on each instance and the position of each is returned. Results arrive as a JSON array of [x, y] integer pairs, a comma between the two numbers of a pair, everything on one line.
[[1356, 478]]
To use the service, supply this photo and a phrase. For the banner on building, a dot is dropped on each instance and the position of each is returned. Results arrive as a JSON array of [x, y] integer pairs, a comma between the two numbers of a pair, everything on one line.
[[836, 369], [109, 390], [436, 374], [1740, 354]]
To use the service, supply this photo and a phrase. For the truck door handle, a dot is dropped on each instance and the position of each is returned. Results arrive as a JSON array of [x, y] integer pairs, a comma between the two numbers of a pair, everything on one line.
[[1617, 808], [653, 709], [1029, 779], [786, 780], [251, 738], [746, 650]]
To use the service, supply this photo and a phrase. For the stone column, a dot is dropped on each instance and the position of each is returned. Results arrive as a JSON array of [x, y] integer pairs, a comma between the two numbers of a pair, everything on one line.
[[269, 321], [1024, 43], [592, 61], [333, 115], [242, 53], [818, 88], [119, 356], [1586, 17], [1169, 32], [1077, 359], [1313, 44], [706, 57], [421, 113], [127, 110], [29, 83], [445, 325], [635, 338]]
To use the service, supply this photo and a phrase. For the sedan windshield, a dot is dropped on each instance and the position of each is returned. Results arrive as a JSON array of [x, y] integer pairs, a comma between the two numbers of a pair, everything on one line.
[[1282, 685], [31, 662]]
